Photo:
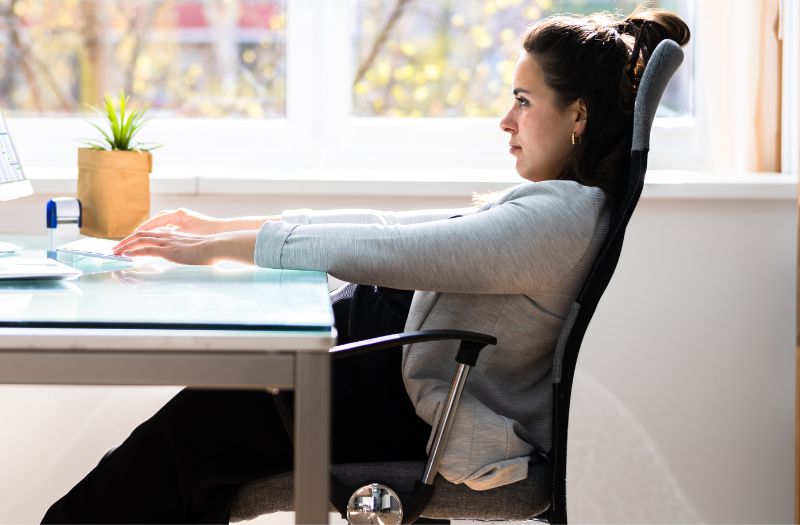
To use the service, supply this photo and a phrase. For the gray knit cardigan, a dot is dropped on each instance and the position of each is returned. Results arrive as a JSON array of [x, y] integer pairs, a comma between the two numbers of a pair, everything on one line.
[[511, 269]]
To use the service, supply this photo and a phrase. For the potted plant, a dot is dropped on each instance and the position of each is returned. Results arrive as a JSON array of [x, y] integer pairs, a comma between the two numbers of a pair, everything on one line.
[[114, 173]]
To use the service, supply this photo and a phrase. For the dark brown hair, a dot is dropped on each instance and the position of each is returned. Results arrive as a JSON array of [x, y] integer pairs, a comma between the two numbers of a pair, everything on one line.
[[600, 59]]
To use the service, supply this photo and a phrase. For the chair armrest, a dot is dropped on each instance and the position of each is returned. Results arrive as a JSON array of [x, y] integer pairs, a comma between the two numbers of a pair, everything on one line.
[[472, 343], [469, 349]]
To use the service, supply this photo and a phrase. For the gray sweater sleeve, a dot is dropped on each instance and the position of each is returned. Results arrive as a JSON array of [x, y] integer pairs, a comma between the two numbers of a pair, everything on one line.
[[522, 244], [357, 216]]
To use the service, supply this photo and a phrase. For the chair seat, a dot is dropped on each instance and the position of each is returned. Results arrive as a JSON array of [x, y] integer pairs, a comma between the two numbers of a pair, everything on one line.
[[515, 502]]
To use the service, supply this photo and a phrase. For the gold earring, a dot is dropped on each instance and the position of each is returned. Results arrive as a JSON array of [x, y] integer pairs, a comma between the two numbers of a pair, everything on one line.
[[575, 140]]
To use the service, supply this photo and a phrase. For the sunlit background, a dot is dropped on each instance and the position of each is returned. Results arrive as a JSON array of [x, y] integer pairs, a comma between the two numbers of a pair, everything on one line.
[[455, 58], [190, 58], [226, 58]]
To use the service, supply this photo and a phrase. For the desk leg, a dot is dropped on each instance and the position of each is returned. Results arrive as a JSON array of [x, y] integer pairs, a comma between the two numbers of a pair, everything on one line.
[[312, 438]]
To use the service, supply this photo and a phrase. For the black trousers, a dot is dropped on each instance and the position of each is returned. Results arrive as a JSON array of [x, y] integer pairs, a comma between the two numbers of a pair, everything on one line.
[[186, 463]]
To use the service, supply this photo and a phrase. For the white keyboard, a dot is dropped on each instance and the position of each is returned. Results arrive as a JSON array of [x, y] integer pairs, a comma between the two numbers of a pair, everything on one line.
[[93, 247], [35, 268]]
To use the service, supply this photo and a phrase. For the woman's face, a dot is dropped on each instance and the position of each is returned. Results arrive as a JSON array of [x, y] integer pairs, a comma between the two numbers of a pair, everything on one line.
[[540, 131]]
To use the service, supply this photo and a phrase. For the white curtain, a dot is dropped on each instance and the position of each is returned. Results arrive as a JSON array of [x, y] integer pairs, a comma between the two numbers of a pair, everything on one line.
[[765, 154], [741, 106]]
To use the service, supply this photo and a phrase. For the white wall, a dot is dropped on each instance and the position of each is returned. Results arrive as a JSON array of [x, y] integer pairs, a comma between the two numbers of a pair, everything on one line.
[[683, 405], [689, 364]]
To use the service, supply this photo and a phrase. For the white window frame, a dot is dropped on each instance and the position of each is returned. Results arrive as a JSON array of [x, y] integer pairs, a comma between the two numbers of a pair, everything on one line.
[[319, 131], [790, 112]]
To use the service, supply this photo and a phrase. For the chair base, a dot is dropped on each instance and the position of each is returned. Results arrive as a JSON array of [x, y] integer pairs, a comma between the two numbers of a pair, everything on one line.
[[515, 502]]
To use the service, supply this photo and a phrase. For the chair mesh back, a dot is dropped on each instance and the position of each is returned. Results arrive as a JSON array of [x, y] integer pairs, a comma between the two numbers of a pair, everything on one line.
[[662, 64]]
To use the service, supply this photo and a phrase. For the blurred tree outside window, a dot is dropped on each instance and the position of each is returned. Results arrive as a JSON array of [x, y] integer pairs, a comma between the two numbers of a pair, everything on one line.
[[183, 58], [455, 58], [226, 58]]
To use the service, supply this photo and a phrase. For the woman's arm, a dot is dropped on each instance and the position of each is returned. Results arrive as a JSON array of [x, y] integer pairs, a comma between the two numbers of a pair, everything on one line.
[[194, 222], [367, 216], [520, 246], [188, 237], [246, 223], [189, 221], [190, 248]]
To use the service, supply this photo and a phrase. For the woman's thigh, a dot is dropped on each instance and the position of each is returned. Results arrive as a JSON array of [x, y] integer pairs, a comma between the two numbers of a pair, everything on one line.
[[372, 417]]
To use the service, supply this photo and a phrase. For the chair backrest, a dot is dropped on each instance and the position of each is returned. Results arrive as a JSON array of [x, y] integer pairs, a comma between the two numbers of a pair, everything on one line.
[[665, 59]]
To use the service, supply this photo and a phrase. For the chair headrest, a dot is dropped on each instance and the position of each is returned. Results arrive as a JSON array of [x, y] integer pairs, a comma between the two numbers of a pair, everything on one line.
[[665, 59]]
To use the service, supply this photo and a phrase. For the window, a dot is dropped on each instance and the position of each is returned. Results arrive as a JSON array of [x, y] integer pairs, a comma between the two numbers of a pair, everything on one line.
[[456, 58], [300, 83], [430, 79], [187, 58]]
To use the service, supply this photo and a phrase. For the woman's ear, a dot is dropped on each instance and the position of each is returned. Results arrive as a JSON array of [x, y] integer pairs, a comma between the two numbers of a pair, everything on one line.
[[581, 114]]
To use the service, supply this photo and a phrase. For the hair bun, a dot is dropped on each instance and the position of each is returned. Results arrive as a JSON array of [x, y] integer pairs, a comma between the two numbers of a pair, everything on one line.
[[649, 27]]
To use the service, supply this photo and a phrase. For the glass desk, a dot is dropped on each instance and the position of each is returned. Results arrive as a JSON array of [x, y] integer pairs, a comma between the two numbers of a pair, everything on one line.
[[156, 323]]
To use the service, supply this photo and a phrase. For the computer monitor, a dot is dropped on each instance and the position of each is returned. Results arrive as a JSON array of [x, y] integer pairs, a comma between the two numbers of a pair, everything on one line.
[[12, 180]]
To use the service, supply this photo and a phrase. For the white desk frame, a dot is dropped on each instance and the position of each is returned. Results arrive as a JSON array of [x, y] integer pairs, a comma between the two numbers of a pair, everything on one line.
[[209, 358]]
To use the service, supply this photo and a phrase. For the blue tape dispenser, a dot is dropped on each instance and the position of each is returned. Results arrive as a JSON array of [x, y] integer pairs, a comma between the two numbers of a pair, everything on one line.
[[61, 210]]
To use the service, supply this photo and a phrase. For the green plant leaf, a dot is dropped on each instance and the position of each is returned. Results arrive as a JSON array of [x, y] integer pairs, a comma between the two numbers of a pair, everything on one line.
[[138, 122], [108, 137], [124, 122], [93, 144], [123, 102], [105, 135], [111, 115], [146, 146], [129, 127]]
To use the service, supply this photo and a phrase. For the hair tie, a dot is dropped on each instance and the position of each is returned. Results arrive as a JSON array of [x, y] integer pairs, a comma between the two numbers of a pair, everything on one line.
[[639, 40], [639, 35]]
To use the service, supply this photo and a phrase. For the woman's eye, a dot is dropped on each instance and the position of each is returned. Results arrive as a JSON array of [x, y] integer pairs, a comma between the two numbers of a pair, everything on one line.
[[521, 101]]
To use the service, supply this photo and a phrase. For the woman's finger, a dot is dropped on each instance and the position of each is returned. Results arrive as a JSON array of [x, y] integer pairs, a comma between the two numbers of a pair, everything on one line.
[[156, 251], [162, 233], [122, 244], [139, 241], [170, 253], [129, 238], [162, 218]]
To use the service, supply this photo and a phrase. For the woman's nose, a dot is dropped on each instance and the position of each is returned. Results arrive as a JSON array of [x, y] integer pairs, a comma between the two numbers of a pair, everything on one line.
[[507, 124]]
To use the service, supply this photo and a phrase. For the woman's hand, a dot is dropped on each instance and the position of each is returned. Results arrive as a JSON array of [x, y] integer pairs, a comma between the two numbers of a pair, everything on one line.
[[184, 220], [193, 222], [190, 248]]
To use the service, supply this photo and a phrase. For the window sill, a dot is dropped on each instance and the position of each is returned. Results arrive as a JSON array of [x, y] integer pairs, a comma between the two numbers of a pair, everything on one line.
[[415, 183]]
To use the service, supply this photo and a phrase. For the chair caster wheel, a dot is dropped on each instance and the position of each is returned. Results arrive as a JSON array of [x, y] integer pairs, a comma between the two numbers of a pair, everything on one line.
[[374, 504]]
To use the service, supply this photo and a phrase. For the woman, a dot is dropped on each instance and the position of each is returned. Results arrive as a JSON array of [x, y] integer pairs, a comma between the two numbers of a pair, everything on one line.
[[510, 268]]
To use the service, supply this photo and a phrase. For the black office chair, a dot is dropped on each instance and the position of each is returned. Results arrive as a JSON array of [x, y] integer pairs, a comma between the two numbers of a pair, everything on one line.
[[413, 488]]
